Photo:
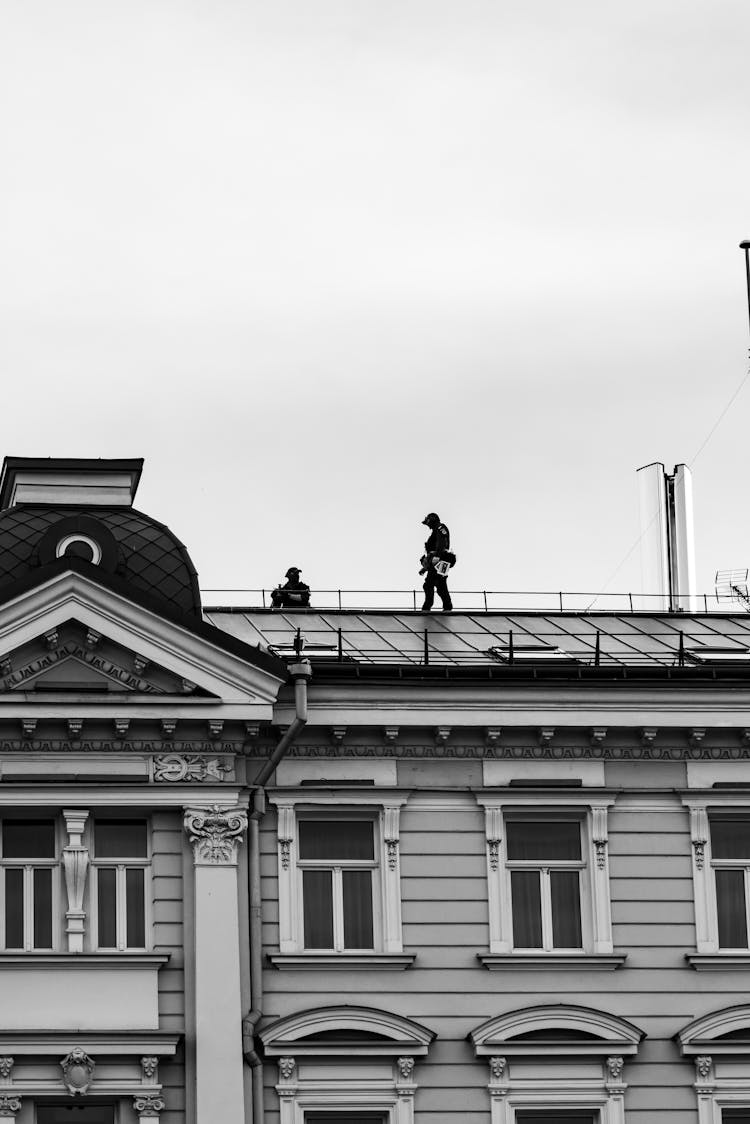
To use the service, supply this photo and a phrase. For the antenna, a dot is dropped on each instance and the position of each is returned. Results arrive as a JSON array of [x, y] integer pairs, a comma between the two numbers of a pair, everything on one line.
[[745, 245], [731, 585]]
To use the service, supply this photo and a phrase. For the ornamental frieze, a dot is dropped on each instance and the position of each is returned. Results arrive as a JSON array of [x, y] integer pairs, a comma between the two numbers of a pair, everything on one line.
[[173, 768], [84, 655]]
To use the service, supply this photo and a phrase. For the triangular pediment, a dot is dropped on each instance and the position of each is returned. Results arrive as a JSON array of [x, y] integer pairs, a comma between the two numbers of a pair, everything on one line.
[[73, 636], [79, 659]]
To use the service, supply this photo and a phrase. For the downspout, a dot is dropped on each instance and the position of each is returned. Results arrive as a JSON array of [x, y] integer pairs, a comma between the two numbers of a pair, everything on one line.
[[300, 673]]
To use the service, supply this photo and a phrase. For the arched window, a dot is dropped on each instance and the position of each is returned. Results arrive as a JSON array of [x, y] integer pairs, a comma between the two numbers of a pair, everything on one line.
[[342, 1063], [719, 1046], [556, 1063]]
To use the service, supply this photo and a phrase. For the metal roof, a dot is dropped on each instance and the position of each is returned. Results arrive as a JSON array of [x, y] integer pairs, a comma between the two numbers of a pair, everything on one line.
[[464, 639]]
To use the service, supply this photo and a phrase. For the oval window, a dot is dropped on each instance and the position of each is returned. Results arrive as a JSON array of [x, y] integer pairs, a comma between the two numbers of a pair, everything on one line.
[[79, 546]]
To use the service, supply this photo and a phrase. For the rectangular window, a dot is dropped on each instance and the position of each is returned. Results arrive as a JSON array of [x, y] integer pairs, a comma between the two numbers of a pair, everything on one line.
[[338, 866], [120, 861], [29, 857], [344, 1118], [545, 864], [735, 1116], [730, 859]]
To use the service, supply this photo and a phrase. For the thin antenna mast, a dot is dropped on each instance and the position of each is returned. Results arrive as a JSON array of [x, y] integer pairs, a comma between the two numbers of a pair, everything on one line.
[[746, 247]]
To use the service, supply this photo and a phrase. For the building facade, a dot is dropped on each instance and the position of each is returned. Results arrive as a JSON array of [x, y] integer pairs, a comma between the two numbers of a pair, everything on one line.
[[330, 867]]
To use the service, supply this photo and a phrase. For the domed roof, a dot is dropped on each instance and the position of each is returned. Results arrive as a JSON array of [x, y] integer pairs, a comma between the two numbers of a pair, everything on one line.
[[141, 552]]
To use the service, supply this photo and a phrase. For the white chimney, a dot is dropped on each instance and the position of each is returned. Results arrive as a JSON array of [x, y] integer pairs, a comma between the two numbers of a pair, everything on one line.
[[667, 538]]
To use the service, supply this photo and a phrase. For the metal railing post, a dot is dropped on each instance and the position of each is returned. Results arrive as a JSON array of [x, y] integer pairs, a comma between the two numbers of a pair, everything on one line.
[[426, 649], [510, 646]]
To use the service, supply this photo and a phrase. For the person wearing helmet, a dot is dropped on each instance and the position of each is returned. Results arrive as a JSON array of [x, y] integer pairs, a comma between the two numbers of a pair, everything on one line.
[[293, 594], [437, 553]]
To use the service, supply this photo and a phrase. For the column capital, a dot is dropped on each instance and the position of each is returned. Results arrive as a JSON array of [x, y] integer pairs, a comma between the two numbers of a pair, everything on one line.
[[215, 834]]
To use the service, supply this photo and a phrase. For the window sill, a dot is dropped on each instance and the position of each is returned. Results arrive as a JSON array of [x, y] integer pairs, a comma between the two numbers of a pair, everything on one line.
[[342, 961], [57, 960], [552, 961], [717, 961]]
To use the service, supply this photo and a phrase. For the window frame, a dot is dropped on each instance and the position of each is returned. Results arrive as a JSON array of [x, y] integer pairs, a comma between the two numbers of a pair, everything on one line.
[[590, 811], [337, 866], [721, 1065], [544, 868], [709, 955], [551, 1075], [28, 866], [382, 808], [121, 865]]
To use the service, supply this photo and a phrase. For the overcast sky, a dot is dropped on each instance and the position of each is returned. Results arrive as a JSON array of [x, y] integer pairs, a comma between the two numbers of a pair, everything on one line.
[[331, 264]]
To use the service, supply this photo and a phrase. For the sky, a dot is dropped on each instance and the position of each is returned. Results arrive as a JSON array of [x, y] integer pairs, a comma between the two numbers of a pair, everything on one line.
[[329, 266]]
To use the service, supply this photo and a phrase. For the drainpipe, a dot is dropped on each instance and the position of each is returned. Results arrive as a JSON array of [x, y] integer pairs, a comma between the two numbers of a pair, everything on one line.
[[300, 673]]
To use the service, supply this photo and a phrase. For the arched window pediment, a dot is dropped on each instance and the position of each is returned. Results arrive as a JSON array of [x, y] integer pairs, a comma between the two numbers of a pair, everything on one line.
[[348, 1030], [726, 1031], [571, 1030]]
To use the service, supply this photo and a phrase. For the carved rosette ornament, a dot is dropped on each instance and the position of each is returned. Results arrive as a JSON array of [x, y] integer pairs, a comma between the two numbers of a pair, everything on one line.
[[148, 1107], [405, 1068], [498, 1067], [9, 1106], [615, 1067], [6, 1067], [215, 833], [78, 1072], [287, 1067], [149, 1067], [704, 1065], [172, 768]]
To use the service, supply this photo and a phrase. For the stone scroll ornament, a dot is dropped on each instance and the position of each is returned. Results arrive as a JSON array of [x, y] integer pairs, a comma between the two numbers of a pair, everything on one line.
[[215, 833], [10, 1106], [78, 1072]]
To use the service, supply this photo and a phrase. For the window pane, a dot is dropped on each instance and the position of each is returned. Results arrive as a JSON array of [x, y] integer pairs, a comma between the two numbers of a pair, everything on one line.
[[317, 897], [43, 907], [730, 838], [735, 1116], [14, 908], [730, 907], [565, 889], [336, 839], [563, 1116], [536, 841], [135, 908], [527, 908], [75, 1114], [107, 891], [29, 839], [344, 1118], [121, 839], [357, 887]]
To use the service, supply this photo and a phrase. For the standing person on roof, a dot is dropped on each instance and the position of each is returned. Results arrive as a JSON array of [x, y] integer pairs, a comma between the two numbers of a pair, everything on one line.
[[437, 558], [293, 594]]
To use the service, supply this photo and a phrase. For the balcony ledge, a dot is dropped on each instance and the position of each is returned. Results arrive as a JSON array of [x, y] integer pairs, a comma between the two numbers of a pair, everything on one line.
[[717, 961]]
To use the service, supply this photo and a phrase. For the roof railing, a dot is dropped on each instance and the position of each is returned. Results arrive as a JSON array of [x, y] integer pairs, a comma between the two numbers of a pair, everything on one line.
[[474, 600]]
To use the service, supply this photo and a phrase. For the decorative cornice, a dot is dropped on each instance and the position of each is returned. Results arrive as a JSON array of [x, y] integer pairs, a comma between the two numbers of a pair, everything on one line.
[[215, 833]]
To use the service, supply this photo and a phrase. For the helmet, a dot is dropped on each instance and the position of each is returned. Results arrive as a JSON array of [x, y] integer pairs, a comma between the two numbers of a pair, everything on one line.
[[431, 519], [292, 570]]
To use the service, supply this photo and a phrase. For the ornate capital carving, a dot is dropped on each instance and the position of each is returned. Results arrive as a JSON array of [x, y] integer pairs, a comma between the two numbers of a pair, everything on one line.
[[699, 835], [498, 1067], [10, 1106], [405, 1068], [78, 1071], [215, 833], [287, 1067], [148, 1106]]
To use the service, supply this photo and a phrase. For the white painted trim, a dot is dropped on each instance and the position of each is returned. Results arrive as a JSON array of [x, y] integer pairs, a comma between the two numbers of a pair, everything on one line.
[[591, 811], [385, 805], [71, 596], [499, 774], [703, 774], [400, 1035], [615, 1035]]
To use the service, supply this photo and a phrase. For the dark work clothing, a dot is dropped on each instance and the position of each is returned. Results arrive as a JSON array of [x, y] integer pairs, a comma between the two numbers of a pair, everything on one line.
[[439, 543], [291, 595], [439, 540], [433, 581]]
